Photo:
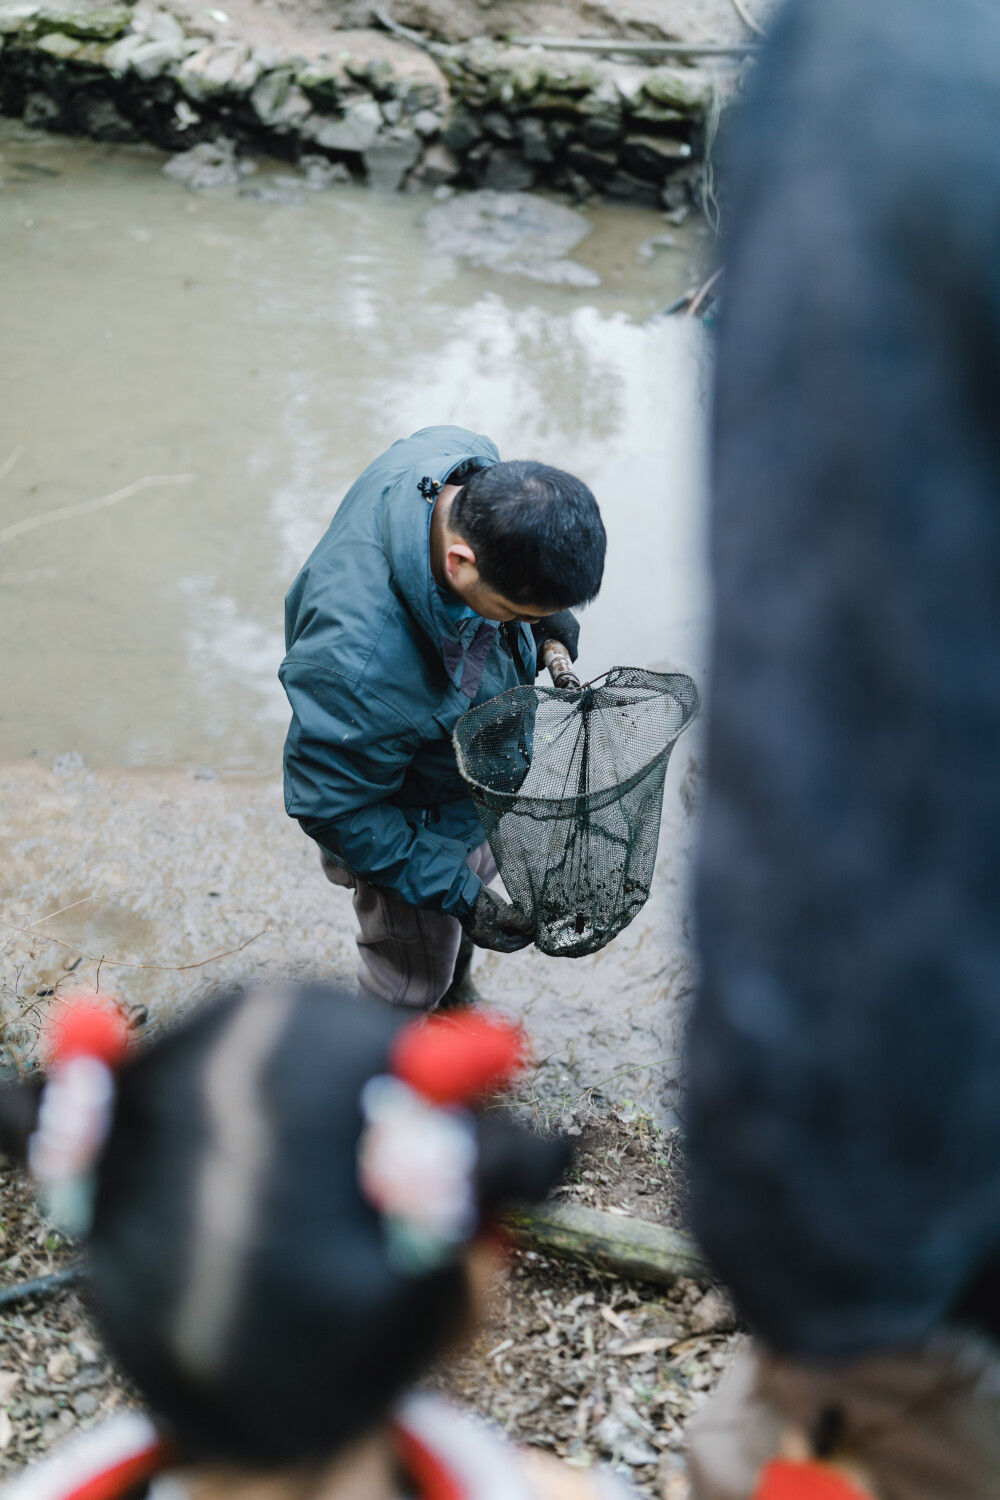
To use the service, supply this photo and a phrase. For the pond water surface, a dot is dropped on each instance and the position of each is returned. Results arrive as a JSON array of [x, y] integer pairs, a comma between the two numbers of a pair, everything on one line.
[[251, 356], [255, 355]]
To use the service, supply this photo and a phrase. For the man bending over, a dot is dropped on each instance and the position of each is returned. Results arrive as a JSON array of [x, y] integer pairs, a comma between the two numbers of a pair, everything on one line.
[[425, 596]]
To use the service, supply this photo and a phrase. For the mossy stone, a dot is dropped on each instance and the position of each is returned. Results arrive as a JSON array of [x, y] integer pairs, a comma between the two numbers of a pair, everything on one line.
[[93, 23]]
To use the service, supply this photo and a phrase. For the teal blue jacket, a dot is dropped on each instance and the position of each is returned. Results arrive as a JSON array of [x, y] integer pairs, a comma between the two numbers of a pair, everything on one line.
[[380, 665]]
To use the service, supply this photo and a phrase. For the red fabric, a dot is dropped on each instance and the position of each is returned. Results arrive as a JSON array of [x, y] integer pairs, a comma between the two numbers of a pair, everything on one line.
[[784, 1480], [431, 1479], [87, 1027], [115, 1482], [454, 1059]]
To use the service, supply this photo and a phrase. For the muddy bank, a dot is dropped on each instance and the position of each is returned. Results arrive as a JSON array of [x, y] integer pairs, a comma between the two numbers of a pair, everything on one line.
[[132, 882], [366, 103]]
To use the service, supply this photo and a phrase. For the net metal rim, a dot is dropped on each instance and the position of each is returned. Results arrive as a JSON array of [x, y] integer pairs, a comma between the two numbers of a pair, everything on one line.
[[675, 684]]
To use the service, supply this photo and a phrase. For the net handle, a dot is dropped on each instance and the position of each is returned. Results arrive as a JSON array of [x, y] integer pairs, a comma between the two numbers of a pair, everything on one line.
[[557, 659]]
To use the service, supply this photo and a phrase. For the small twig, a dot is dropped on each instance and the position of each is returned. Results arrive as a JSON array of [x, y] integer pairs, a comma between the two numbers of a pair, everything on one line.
[[6, 467], [678, 304], [622, 1072], [747, 18], [41, 1286], [97, 981], [85, 507], [703, 293], [384, 19], [647, 49], [121, 963], [49, 915]]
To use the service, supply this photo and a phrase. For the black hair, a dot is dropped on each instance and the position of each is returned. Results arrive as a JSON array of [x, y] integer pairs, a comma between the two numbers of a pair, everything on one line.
[[536, 531], [236, 1271]]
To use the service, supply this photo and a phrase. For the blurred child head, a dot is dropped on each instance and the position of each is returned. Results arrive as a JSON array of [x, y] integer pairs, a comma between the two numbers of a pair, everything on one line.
[[268, 1306]]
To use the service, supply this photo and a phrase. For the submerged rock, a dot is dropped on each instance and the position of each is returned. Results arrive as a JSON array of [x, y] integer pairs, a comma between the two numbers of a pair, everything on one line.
[[212, 164], [388, 159], [516, 233], [320, 172]]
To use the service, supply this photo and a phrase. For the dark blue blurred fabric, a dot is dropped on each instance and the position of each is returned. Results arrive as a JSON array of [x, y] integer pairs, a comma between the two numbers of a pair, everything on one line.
[[844, 1054]]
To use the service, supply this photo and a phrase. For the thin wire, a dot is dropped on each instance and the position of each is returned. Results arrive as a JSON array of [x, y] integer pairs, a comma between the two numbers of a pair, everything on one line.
[[747, 18], [710, 202]]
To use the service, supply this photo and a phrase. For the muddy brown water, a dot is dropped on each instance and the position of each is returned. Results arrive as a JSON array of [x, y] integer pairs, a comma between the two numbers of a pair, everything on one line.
[[267, 350]]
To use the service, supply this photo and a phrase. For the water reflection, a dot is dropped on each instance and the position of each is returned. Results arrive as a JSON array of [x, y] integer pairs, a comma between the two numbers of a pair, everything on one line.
[[272, 352]]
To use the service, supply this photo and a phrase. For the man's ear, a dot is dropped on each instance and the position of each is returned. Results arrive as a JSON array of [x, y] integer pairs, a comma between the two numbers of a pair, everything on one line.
[[19, 1103], [458, 554]]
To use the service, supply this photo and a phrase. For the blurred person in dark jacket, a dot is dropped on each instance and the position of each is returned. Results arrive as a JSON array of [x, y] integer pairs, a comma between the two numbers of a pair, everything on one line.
[[844, 1055]]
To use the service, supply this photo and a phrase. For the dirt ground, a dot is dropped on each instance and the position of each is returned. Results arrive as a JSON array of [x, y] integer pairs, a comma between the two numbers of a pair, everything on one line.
[[160, 887], [281, 21], [589, 1367]]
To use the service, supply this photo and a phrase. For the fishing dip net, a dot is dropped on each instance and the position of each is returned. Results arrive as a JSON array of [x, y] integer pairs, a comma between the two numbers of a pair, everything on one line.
[[568, 784]]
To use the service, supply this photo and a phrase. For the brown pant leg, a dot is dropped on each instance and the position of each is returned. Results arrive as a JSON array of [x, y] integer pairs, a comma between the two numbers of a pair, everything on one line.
[[407, 954], [912, 1424]]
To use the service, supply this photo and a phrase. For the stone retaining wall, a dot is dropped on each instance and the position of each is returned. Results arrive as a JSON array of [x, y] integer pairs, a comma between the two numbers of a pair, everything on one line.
[[478, 114]]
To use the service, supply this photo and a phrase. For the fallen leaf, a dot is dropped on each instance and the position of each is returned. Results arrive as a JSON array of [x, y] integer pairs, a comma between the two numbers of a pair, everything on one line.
[[81, 1344], [643, 1346], [6, 1430], [694, 1345], [713, 1313], [610, 1316], [8, 1381], [61, 1365]]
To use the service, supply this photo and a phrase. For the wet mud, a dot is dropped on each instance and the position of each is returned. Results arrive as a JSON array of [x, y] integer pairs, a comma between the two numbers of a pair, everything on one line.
[[130, 880]]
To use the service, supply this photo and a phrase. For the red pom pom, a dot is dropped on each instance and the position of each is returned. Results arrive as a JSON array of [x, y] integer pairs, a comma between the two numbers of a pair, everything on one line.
[[784, 1479], [87, 1028], [455, 1059]]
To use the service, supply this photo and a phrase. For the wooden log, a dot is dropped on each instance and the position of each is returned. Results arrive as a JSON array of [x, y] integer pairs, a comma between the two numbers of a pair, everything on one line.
[[609, 1242]]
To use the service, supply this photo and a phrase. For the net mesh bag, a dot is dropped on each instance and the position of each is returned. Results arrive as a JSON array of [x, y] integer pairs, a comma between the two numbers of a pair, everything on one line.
[[569, 787]]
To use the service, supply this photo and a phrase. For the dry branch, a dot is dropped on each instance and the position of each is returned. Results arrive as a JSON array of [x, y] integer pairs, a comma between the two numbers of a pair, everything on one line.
[[121, 963]]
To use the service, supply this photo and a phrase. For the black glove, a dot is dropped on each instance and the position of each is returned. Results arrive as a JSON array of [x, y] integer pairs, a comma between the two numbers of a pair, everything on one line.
[[564, 627], [494, 923]]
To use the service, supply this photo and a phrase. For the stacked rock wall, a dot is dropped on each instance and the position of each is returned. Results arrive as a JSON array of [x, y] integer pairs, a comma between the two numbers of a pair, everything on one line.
[[480, 114]]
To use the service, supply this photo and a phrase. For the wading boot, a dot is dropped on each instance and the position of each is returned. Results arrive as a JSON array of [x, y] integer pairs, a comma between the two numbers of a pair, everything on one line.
[[462, 991]]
